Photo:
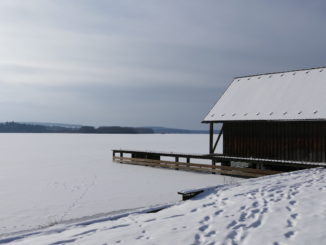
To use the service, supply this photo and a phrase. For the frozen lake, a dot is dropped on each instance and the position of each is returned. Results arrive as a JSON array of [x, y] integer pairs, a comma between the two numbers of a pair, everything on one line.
[[50, 178]]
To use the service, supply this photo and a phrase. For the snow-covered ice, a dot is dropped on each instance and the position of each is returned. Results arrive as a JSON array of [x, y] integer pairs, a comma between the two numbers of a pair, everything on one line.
[[51, 178], [287, 208]]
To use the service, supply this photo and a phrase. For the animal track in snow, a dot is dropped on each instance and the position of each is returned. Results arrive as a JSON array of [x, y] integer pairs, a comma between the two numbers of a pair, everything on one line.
[[149, 220], [174, 216]]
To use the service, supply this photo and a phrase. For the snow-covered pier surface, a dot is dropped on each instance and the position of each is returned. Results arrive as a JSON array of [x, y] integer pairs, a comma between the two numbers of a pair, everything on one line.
[[280, 209]]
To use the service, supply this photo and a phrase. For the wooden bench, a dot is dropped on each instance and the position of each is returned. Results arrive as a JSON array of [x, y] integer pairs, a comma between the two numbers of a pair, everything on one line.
[[188, 194]]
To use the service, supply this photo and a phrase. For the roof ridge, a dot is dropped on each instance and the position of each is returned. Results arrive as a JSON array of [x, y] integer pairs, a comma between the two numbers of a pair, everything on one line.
[[271, 73]]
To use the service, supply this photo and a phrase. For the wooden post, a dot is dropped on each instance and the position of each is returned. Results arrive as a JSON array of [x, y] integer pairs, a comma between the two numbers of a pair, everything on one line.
[[121, 155], [177, 160], [146, 157], [211, 138], [252, 165], [113, 155], [225, 163], [213, 164], [188, 160]]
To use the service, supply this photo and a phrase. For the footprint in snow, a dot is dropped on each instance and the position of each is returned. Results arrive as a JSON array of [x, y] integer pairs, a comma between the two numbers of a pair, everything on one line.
[[197, 238], [255, 224], [218, 212], [294, 216], [265, 210], [239, 226], [206, 218], [289, 234], [254, 211], [211, 233], [235, 236], [208, 204], [203, 228], [255, 204], [292, 220], [289, 223], [212, 243], [233, 223], [242, 217], [242, 207]]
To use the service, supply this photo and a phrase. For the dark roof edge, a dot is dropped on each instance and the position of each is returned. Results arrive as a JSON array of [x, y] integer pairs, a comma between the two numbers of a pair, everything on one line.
[[270, 73], [265, 120]]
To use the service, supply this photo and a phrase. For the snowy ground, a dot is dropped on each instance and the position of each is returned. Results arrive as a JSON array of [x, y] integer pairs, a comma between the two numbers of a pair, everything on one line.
[[281, 209], [52, 178]]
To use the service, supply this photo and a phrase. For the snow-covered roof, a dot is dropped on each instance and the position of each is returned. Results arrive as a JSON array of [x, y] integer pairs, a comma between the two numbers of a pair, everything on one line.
[[291, 95]]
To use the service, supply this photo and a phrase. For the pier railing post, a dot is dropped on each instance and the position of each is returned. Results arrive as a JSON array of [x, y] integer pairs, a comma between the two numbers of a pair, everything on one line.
[[121, 155], [213, 164], [188, 161], [177, 160]]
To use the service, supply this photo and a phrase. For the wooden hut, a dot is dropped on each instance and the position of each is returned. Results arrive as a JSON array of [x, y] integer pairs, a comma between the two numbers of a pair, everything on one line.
[[275, 116]]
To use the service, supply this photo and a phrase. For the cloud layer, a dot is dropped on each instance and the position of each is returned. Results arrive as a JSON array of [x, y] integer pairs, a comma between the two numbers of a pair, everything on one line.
[[144, 62]]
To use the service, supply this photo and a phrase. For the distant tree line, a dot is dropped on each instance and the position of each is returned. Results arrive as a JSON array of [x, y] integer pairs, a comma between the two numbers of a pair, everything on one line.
[[114, 130], [13, 127]]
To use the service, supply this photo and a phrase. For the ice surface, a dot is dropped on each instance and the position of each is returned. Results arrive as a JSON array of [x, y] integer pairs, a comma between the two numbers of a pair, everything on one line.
[[49, 178]]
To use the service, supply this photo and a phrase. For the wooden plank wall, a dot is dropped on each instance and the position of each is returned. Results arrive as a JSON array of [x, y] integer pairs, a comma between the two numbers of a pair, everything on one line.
[[299, 141]]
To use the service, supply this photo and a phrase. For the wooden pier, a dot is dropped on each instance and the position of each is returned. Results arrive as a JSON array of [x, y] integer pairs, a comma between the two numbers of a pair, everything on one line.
[[215, 163], [180, 161]]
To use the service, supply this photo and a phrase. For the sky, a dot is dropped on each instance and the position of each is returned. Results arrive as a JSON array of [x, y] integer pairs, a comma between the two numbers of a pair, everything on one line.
[[145, 62]]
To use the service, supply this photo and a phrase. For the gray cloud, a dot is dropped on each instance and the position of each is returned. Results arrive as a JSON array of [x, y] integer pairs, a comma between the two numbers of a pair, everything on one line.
[[144, 62]]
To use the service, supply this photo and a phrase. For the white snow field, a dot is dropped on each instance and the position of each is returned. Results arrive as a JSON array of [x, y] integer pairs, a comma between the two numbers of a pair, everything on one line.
[[52, 178], [287, 208]]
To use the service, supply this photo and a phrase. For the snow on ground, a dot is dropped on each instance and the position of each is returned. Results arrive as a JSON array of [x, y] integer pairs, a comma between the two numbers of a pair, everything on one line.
[[281, 209], [53, 178]]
